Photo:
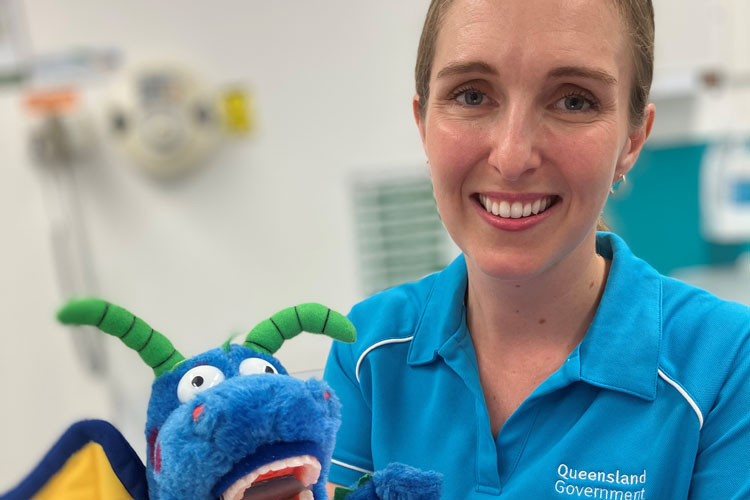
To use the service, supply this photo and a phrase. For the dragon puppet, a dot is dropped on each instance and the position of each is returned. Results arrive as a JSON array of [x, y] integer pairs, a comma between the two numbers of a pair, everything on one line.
[[228, 424]]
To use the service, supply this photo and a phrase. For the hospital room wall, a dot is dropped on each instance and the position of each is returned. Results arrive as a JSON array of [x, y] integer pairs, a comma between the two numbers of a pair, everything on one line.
[[266, 224]]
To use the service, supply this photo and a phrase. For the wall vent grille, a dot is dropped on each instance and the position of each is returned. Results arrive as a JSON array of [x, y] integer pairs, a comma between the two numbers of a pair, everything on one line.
[[399, 234]]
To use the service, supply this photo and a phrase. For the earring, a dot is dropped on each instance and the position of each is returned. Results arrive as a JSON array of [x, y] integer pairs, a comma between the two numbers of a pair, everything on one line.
[[620, 179]]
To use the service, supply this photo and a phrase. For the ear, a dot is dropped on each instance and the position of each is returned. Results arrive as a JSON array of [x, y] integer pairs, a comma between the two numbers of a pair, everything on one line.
[[418, 118], [634, 144]]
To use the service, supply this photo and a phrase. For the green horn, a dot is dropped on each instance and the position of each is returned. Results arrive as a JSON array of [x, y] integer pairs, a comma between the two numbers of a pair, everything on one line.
[[153, 347], [269, 334]]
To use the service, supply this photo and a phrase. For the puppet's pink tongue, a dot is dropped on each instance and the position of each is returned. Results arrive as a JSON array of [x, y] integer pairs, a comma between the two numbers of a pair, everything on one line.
[[276, 488]]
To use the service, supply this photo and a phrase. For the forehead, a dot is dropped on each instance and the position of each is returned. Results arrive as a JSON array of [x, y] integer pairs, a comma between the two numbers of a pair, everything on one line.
[[533, 33]]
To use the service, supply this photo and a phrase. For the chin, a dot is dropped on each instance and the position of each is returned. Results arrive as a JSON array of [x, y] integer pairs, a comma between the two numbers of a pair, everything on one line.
[[507, 265]]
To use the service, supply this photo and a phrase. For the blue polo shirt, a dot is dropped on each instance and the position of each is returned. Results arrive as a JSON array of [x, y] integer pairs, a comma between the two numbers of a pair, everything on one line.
[[654, 403]]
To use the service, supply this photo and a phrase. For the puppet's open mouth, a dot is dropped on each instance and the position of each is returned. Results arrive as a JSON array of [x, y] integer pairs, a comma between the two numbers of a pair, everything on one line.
[[287, 479]]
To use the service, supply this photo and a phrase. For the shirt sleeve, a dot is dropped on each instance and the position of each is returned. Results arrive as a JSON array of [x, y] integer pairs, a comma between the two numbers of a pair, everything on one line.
[[352, 456], [722, 467]]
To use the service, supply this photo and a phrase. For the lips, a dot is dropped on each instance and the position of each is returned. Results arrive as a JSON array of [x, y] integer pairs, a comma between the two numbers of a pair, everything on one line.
[[288, 479]]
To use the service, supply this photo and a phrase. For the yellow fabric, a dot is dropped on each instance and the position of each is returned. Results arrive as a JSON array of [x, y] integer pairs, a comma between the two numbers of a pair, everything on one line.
[[86, 475]]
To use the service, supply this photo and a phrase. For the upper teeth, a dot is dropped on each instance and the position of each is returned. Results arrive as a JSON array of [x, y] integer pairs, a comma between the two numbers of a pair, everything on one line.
[[308, 473], [516, 209]]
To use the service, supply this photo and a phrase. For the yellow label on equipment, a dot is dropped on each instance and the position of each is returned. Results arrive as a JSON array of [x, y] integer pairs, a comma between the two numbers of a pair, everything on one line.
[[237, 107]]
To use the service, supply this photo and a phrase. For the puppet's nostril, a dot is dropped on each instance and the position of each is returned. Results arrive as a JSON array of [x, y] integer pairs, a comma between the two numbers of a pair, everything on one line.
[[197, 412]]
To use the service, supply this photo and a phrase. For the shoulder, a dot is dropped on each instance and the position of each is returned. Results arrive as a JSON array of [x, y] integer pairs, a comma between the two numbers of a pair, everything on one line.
[[393, 313], [420, 313], [386, 320], [705, 341], [692, 315]]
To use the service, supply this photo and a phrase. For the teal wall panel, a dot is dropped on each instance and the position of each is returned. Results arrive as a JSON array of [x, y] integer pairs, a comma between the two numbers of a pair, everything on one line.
[[658, 212]]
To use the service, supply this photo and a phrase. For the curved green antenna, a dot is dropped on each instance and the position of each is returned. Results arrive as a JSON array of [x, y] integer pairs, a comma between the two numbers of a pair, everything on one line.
[[153, 347], [269, 334]]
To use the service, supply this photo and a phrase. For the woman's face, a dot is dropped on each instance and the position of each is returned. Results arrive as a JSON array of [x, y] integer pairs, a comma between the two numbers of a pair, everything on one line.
[[526, 128]]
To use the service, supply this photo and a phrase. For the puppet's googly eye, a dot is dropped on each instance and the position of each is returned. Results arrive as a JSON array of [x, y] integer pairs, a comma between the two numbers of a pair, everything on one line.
[[254, 366], [197, 380]]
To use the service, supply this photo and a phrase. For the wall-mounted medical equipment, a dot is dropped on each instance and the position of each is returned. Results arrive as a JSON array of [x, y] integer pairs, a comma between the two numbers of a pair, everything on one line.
[[165, 119], [61, 137], [725, 191]]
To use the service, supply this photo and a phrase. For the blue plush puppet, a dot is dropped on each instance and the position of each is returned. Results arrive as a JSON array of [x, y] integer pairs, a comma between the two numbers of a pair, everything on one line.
[[227, 424]]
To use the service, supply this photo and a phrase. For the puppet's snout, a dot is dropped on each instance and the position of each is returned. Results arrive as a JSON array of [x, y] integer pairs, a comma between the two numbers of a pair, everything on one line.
[[270, 403]]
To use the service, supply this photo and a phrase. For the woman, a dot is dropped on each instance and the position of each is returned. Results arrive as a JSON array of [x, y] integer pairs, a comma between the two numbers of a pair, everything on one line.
[[547, 361]]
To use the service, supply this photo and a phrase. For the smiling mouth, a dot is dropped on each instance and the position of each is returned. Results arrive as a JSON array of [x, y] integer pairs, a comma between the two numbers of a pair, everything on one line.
[[517, 209], [287, 479]]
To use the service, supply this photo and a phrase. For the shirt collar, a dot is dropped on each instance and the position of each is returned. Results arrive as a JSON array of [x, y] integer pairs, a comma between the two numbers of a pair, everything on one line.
[[443, 313], [621, 348]]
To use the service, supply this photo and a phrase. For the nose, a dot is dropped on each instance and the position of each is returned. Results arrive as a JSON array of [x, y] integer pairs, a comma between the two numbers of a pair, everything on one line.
[[514, 137]]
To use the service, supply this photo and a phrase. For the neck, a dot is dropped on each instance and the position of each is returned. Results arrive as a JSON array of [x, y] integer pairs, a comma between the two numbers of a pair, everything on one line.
[[550, 310]]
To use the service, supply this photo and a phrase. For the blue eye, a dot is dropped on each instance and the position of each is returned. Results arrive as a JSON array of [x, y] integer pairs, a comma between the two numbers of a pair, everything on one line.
[[470, 97], [575, 103]]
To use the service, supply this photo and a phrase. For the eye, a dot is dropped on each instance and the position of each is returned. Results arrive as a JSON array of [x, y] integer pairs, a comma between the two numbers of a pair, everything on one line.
[[197, 380], [255, 366], [575, 103], [469, 97]]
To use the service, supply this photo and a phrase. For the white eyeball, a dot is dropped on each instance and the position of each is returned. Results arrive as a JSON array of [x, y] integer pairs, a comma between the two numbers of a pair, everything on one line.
[[255, 366], [197, 380]]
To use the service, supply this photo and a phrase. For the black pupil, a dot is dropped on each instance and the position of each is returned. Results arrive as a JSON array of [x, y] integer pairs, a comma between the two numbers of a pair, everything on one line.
[[473, 98], [269, 369], [197, 381], [575, 103]]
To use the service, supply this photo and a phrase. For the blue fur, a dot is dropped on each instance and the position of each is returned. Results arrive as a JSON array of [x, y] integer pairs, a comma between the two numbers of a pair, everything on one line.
[[242, 416], [399, 482], [245, 422]]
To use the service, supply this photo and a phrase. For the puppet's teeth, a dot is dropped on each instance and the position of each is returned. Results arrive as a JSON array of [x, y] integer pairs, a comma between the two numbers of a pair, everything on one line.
[[306, 470]]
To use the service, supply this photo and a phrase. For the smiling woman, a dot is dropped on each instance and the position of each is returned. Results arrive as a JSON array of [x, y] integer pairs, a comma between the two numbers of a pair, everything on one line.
[[546, 343]]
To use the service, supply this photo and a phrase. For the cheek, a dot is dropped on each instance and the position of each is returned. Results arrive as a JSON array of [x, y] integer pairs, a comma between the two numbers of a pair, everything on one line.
[[586, 157], [453, 148]]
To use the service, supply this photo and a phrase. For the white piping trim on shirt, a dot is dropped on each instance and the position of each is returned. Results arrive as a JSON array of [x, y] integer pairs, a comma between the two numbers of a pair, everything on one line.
[[342, 464], [374, 346], [684, 395]]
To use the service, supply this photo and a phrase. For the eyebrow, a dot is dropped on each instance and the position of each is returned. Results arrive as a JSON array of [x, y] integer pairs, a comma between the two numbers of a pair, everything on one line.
[[469, 67], [583, 72], [563, 71]]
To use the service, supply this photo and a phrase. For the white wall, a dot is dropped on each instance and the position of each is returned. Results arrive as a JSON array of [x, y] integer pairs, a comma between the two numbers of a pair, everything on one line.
[[265, 226]]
